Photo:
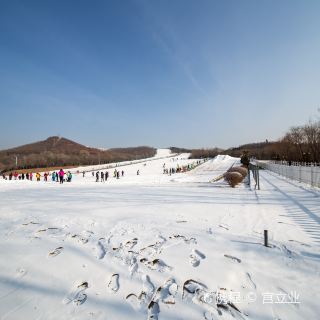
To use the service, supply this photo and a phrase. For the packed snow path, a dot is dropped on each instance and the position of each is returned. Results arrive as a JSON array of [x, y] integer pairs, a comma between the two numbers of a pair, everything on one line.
[[156, 246]]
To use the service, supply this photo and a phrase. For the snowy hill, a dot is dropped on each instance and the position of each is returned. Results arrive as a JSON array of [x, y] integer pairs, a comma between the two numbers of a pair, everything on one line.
[[59, 151]]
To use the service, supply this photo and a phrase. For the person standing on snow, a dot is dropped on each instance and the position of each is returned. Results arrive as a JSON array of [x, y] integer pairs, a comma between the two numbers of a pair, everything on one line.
[[102, 176], [107, 175], [97, 176], [61, 176]]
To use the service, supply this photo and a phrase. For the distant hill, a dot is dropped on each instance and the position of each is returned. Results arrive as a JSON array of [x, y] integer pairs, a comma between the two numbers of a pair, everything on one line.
[[59, 151], [198, 153], [180, 150], [260, 150], [53, 144]]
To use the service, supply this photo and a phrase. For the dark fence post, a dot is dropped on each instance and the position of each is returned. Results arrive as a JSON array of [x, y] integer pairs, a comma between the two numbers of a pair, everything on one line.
[[266, 244]]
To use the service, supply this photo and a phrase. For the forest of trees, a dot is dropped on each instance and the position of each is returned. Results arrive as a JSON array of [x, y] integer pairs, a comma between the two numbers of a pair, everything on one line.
[[204, 153], [198, 153], [300, 143]]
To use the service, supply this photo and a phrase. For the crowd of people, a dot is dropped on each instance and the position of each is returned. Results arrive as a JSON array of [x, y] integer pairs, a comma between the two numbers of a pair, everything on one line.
[[103, 176], [56, 176], [178, 168], [62, 176]]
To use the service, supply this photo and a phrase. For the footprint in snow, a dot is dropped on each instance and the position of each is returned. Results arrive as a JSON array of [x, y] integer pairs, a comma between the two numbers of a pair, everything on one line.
[[77, 295], [55, 252], [147, 285], [138, 303], [156, 264], [167, 292], [214, 303], [133, 266], [21, 272], [153, 310], [131, 243], [80, 238], [51, 231], [233, 258], [195, 257], [113, 284], [207, 315], [100, 251], [191, 287], [184, 238], [149, 251], [29, 223]]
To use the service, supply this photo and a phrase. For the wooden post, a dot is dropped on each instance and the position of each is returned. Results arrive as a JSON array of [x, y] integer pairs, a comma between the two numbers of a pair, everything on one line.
[[266, 238]]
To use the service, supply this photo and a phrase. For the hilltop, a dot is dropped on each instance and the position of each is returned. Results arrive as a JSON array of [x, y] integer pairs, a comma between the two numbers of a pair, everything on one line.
[[59, 151]]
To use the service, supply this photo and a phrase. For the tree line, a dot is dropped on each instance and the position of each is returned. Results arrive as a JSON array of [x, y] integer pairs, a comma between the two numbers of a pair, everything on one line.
[[300, 143]]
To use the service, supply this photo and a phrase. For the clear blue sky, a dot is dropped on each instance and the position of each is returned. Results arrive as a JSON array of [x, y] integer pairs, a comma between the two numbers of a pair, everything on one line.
[[199, 73]]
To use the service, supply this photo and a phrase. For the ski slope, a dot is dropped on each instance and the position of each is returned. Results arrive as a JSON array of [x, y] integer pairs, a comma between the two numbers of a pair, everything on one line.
[[155, 246]]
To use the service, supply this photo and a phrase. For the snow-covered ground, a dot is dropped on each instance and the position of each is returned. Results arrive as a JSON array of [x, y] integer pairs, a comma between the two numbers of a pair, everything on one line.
[[154, 246], [160, 154]]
